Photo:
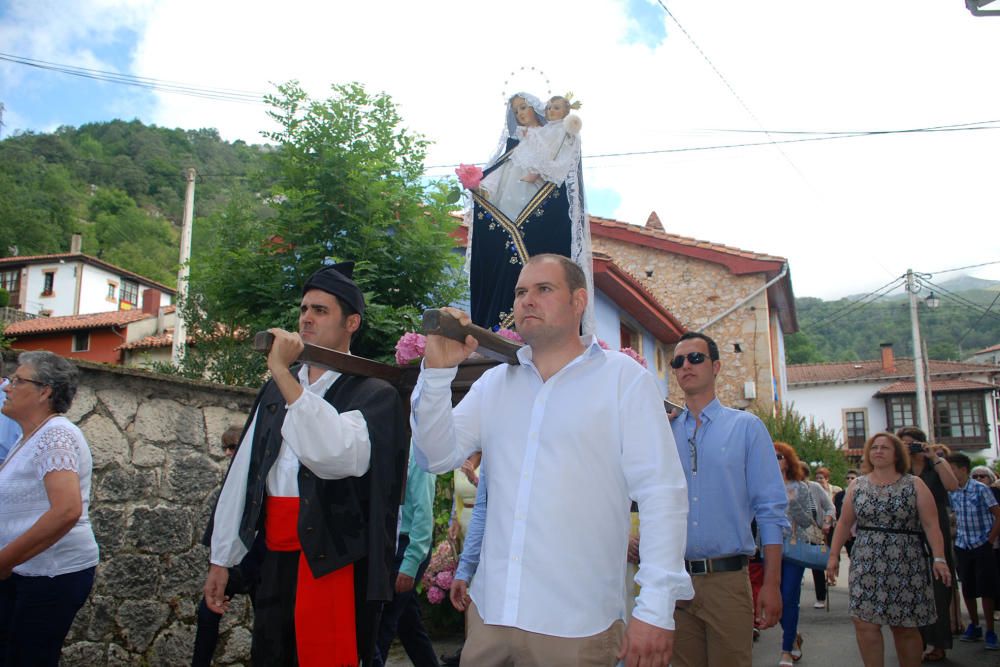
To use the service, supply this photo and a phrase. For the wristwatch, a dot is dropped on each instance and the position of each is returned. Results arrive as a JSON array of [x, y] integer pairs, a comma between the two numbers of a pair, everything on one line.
[[941, 560]]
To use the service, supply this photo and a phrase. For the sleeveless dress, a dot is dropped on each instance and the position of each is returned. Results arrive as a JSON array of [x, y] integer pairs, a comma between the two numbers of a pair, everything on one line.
[[890, 581]]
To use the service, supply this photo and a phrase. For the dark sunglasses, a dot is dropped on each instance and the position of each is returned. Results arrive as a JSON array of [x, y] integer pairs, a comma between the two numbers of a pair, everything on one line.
[[979, 474], [781, 457], [694, 358]]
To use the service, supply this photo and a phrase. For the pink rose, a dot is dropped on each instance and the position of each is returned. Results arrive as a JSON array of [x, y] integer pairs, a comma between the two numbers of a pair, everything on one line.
[[641, 360], [510, 335], [435, 595], [444, 579], [469, 175], [410, 347]]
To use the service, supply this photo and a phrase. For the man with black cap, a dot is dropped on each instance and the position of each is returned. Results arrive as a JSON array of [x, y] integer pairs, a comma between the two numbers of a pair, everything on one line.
[[320, 472]]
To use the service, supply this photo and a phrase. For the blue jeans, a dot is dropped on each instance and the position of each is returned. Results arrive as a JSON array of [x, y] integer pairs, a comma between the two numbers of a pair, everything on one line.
[[791, 590], [36, 614]]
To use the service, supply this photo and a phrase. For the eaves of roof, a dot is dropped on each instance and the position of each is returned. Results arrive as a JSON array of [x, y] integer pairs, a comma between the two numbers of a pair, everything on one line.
[[635, 300], [18, 260]]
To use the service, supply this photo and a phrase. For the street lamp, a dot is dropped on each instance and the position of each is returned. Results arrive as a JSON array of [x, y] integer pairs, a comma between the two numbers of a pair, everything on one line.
[[932, 301]]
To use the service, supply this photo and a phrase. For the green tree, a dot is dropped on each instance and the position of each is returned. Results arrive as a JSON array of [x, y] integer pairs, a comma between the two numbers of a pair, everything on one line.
[[816, 445], [349, 186]]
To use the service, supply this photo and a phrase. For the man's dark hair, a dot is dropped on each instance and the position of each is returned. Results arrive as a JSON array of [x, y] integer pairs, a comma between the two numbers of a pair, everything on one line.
[[961, 460], [713, 349], [913, 432], [575, 279]]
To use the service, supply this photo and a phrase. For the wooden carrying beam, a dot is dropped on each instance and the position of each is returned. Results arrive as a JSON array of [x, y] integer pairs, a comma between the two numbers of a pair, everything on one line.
[[491, 345], [335, 361]]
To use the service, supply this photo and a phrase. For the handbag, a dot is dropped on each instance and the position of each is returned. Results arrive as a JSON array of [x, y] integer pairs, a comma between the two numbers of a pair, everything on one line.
[[808, 555]]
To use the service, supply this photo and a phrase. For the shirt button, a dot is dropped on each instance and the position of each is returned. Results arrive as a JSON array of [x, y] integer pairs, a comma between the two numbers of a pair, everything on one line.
[[694, 523], [695, 499]]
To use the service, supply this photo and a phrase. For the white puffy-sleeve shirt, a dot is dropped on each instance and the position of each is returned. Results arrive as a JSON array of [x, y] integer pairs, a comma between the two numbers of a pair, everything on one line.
[[332, 445], [57, 445]]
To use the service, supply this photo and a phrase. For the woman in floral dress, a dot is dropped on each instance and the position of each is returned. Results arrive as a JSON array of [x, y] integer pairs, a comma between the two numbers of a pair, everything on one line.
[[890, 581]]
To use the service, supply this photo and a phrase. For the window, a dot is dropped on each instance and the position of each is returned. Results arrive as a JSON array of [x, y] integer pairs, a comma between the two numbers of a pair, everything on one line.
[[130, 292], [958, 418], [661, 361], [81, 341], [112, 291], [48, 283], [11, 280], [901, 412], [630, 338], [855, 427]]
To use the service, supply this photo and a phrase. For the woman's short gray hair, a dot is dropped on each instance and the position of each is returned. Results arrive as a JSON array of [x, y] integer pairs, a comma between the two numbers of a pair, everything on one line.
[[56, 373]]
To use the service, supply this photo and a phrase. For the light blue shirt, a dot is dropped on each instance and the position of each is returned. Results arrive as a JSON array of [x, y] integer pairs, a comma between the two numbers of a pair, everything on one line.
[[9, 430], [417, 517], [737, 478], [473, 543]]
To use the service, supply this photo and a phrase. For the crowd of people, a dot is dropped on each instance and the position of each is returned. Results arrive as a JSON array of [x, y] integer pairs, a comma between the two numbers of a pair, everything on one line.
[[326, 523]]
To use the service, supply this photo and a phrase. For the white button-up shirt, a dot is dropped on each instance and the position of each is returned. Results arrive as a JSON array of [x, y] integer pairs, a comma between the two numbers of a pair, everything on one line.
[[565, 457], [332, 445]]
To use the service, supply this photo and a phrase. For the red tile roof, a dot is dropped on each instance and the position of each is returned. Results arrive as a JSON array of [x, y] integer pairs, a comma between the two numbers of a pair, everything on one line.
[[165, 339], [987, 350], [41, 325], [17, 260], [910, 387], [598, 227], [872, 371]]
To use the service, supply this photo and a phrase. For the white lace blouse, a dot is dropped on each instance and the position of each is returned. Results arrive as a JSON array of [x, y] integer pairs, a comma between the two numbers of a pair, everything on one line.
[[58, 445]]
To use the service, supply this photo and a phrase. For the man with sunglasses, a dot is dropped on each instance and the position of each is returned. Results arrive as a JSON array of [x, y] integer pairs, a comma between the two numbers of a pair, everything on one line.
[[733, 477]]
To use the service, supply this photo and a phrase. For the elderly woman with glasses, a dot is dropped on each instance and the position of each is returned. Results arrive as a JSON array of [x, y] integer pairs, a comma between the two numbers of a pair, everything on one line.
[[47, 548]]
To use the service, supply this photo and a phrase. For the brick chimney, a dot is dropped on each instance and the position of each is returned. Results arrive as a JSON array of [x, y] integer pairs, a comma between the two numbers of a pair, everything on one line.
[[151, 302], [76, 244], [888, 358]]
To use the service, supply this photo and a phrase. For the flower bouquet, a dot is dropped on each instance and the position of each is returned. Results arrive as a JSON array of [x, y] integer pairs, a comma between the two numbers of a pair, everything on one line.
[[440, 571]]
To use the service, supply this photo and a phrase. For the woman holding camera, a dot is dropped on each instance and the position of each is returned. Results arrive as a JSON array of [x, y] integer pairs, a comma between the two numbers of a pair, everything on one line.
[[931, 467]]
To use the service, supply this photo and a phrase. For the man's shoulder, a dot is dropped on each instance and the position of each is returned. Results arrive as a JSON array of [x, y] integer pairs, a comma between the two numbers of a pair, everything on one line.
[[741, 417]]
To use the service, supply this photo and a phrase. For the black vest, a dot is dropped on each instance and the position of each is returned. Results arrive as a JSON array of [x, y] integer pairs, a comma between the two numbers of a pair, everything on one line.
[[346, 520]]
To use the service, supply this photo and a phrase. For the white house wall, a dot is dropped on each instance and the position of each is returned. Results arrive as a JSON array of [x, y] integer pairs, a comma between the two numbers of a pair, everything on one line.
[[94, 290], [608, 317], [825, 405], [63, 296]]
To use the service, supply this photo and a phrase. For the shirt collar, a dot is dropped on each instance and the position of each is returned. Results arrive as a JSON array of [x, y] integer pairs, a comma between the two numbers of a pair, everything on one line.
[[592, 347], [710, 411]]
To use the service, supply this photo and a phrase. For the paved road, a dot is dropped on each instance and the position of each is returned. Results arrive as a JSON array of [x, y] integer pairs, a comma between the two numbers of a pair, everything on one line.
[[829, 639]]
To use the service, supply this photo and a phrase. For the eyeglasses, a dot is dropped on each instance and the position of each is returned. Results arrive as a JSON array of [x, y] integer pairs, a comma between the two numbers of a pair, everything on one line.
[[694, 358], [979, 474], [780, 457], [694, 448], [15, 380]]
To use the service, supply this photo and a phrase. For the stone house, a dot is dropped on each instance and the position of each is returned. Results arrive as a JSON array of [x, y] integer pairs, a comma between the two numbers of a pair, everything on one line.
[[742, 299]]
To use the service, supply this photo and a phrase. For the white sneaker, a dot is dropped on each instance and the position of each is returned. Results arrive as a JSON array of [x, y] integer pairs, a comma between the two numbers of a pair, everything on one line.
[[819, 605]]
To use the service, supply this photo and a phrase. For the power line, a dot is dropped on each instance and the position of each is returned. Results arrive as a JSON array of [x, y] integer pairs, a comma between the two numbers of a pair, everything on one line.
[[963, 268], [160, 85], [957, 297], [976, 323], [830, 136], [857, 305]]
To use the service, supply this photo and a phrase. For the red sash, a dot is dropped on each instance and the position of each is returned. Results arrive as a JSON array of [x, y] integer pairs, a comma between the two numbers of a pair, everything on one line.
[[325, 631]]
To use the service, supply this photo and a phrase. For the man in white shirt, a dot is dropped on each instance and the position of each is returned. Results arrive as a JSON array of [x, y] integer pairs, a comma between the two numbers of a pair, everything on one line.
[[570, 436], [320, 472]]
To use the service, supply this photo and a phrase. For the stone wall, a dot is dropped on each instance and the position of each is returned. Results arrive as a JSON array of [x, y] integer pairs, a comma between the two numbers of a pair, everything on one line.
[[695, 291], [158, 465]]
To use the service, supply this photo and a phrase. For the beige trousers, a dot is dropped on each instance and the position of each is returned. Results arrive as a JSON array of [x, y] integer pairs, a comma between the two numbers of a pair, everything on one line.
[[504, 646], [715, 629]]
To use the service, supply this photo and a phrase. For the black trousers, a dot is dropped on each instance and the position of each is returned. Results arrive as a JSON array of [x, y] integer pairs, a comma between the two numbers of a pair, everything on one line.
[[402, 617], [273, 641]]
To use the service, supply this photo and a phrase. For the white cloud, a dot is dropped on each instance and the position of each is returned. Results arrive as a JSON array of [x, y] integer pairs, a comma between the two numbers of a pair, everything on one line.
[[849, 214]]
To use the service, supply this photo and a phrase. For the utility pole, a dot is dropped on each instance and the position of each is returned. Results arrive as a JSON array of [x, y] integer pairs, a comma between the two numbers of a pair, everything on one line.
[[918, 354], [180, 331], [1, 119]]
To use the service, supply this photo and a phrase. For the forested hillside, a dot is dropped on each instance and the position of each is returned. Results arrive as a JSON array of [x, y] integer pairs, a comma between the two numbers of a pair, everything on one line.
[[846, 330], [120, 184]]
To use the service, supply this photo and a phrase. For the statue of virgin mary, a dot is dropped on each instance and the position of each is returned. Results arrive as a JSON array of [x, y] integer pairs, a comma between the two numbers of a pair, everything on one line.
[[530, 201]]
